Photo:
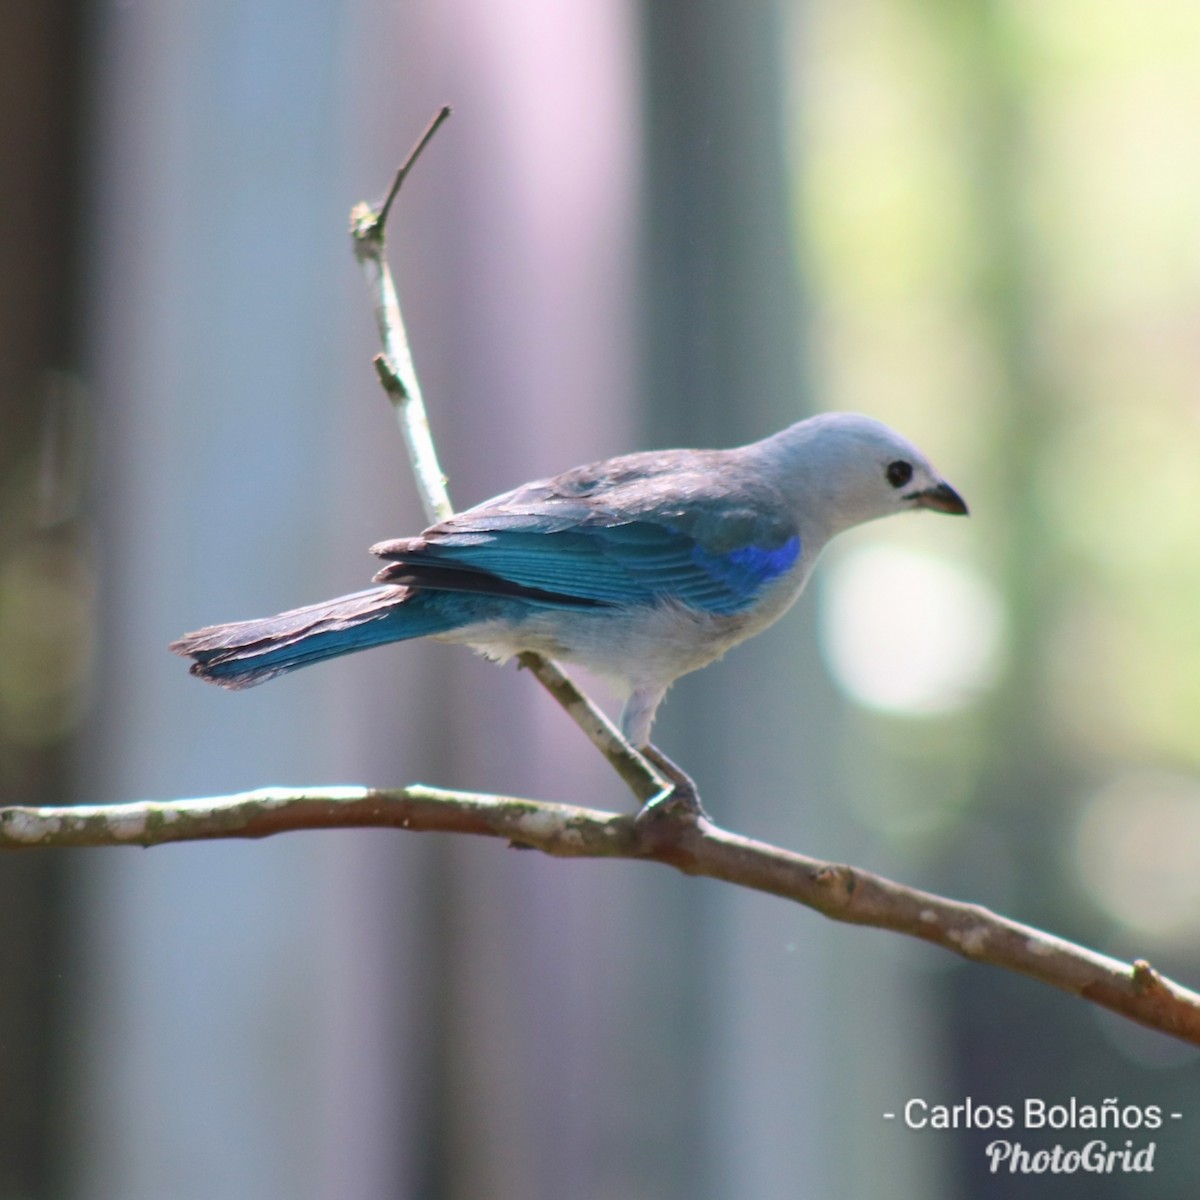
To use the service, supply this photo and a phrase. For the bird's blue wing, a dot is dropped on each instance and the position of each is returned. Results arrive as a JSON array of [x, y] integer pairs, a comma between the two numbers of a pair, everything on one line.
[[717, 562], [701, 528]]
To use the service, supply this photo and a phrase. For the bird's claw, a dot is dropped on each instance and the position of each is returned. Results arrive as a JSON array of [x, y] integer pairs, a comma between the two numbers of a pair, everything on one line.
[[680, 796]]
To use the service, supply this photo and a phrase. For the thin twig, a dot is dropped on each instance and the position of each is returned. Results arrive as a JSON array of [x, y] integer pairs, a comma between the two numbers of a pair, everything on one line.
[[640, 775], [402, 173], [696, 847], [368, 228]]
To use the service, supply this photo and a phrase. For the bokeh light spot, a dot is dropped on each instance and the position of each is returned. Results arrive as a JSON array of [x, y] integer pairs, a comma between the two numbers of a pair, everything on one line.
[[908, 633]]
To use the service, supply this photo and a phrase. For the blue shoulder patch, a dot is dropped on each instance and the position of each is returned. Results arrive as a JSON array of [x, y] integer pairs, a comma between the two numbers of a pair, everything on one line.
[[748, 569]]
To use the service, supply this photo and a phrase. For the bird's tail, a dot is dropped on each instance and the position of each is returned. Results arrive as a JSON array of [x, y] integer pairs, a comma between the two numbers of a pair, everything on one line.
[[244, 653]]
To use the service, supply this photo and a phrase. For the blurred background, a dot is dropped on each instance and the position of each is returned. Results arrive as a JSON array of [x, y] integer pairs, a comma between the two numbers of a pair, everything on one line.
[[648, 224]]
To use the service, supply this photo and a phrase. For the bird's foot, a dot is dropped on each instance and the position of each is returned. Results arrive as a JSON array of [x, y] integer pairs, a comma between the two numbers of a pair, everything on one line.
[[682, 796]]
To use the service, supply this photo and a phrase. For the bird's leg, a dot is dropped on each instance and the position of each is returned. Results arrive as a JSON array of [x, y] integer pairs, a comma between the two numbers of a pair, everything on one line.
[[683, 792]]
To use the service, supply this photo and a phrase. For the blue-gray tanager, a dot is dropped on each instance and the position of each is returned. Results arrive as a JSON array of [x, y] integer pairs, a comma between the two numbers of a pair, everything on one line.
[[641, 568]]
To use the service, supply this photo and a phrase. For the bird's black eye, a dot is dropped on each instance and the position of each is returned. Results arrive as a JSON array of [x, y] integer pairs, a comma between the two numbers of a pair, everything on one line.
[[899, 473]]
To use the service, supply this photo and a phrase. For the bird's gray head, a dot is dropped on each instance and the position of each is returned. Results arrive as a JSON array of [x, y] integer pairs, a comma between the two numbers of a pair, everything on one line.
[[854, 469]]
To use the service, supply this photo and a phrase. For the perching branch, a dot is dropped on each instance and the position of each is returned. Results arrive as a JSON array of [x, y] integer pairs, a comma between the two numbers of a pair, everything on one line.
[[670, 835], [694, 846]]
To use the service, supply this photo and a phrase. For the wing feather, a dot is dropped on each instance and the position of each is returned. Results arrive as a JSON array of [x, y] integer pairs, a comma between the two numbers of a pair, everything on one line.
[[681, 525]]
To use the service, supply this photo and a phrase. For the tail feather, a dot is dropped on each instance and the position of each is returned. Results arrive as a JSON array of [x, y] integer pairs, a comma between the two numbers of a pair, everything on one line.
[[244, 653]]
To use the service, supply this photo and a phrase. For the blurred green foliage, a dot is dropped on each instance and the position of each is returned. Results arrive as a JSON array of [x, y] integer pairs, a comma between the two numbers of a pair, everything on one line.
[[1001, 227]]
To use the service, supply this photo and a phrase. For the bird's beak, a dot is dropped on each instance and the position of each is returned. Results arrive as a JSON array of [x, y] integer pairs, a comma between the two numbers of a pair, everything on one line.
[[942, 498]]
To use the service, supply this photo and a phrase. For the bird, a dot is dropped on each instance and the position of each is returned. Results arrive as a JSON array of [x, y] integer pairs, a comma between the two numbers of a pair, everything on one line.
[[640, 568]]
